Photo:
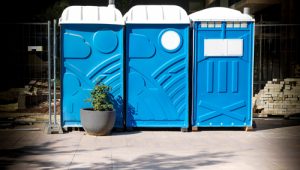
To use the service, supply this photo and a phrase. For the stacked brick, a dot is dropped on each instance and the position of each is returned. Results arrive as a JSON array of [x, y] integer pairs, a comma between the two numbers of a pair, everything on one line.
[[278, 98]]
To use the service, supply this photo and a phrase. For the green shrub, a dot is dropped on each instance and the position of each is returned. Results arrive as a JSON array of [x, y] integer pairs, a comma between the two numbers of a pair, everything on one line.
[[100, 98]]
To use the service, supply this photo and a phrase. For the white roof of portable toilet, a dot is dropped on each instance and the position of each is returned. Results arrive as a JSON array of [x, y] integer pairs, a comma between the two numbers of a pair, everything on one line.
[[220, 14], [91, 15], [156, 14]]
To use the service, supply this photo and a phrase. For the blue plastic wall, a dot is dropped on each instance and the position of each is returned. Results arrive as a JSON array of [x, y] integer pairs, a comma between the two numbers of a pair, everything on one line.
[[157, 79], [222, 86], [90, 54]]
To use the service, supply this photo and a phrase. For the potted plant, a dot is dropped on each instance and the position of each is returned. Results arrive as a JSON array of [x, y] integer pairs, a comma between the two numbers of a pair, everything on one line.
[[100, 119]]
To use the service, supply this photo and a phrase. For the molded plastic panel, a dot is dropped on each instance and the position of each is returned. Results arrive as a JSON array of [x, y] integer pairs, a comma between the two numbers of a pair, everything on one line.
[[90, 54], [222, 84], [157, 79]]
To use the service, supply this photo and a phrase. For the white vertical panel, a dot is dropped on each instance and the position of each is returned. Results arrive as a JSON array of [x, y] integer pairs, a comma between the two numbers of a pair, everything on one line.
[[215, 47], [218, 24], [90, 13], [171, 13], [211, 24], [244, 25], [229, 24], [236, 24], [234, 47], [107, 15], [203, 24], [138, 15], [74, 14], [154, 12]]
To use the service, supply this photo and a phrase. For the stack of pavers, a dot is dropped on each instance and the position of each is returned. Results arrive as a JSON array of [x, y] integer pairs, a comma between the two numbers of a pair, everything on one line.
[[278, 98]]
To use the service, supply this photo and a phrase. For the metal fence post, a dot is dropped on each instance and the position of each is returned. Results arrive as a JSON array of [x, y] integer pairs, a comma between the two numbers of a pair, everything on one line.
[[53, 127], [49, 73], [54, 69]]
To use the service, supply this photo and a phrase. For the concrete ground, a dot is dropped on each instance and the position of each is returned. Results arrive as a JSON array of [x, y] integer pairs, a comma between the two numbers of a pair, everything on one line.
[[273, 145]]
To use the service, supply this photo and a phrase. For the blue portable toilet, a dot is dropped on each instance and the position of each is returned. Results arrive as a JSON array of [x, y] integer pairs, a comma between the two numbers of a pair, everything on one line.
[[91, 52], [222, 68], [157, 66]]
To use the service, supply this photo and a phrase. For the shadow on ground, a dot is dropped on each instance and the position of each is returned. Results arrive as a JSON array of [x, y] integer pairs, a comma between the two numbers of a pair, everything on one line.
[[35, 155], [124, 133], [171, 162], [275, 122], [159, 161], [13, 156], [42, 156], [260, 124]]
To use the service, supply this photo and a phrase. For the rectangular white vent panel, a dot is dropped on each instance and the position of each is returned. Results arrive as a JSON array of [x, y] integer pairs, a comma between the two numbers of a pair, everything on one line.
[[235, 47], [223, 47]]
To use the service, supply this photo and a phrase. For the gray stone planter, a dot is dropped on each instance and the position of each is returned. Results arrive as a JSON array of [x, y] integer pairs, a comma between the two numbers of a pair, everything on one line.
[[97, 123]]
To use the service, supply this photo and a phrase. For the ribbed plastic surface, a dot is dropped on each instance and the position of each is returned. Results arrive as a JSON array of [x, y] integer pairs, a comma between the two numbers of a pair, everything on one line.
[[156, 14], [157, 74], [91, 15], [91, 53], [220, 14], [223, 73]]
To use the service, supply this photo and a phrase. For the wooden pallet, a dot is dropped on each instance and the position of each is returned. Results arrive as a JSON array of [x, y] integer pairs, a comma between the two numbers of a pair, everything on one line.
[[71, 129], [195, 129], [249, 128]]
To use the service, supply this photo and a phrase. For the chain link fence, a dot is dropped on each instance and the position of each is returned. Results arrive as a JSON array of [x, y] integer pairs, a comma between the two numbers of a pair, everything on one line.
[[277, 50], [24, 67]]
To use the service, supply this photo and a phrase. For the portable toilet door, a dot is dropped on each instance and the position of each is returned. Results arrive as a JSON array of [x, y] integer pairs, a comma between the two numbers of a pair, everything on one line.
[[157, 66], [92, 52], [222, 68]]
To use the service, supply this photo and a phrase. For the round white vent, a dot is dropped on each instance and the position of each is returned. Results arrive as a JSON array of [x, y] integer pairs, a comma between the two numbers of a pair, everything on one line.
[[170, 40]]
